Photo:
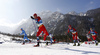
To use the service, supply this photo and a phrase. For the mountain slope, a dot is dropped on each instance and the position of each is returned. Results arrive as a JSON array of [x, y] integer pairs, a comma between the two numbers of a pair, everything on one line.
[[57, 23]]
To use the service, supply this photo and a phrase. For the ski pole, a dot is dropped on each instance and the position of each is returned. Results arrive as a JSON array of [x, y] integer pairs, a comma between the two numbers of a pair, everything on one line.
[[35, 26], [68, 37]]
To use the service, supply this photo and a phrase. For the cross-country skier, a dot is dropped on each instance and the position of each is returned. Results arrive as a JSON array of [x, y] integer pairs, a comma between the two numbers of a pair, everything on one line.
[[94, 35], [41, 28], [25, 35], [74, 35]]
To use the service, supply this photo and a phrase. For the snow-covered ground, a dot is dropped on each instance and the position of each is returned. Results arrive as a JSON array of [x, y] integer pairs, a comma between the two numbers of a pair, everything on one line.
[[12, 48]]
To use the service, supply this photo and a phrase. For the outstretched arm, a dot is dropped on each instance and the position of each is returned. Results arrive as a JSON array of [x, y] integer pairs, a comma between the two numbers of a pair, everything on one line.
[[22, 33], [74, 29], [68, 31], [88, 32]]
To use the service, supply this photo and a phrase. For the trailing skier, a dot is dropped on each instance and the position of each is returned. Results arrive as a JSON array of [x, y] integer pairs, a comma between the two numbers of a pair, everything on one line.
[[25, 36], [41, 28], [94, 35], [74, 35]]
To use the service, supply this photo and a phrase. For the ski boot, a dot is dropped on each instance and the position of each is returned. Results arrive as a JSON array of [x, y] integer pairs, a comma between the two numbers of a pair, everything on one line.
[[37, 45], [29, 41], [74, 44], [46, 43], [78, 44], [96, 44], [23, 43]]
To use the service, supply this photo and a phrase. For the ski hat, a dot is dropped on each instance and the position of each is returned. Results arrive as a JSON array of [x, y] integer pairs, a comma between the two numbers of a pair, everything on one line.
[[69, 26], [35, 14], [21, 28], [91, 28]]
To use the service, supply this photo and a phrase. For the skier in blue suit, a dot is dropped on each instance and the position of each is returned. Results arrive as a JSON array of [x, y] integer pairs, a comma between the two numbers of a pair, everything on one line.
[[25, 35]]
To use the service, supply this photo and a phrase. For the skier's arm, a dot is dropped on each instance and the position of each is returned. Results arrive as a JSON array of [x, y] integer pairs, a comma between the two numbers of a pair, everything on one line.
[[32, 17], [74, 29], [22, 33], [88, 32], [96, 33], [68, 31]]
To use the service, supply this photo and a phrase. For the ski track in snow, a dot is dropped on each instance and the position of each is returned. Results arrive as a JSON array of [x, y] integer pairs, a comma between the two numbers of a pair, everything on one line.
[[12, 48]]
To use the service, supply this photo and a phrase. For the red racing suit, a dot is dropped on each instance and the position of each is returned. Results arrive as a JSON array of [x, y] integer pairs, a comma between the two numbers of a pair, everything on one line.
[[94, 34], [74, 33], [41, 28]]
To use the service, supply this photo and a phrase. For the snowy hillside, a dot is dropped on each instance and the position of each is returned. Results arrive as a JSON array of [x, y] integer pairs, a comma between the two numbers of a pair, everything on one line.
[[57, 23], [75, 13], [12, 48]]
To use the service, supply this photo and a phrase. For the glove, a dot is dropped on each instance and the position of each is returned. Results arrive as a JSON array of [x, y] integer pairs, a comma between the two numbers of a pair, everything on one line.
[[32, 17]]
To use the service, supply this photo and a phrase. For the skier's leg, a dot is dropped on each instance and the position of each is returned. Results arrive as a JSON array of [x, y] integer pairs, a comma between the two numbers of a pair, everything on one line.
[[45, 32], [77, 39], [24, 40], [74, 40], [51, 40], [38, 33], [78, 42], [26, 37], [94, 38], [89, 39]]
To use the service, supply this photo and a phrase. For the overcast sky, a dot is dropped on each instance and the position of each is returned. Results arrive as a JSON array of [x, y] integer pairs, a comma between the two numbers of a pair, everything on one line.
[[12, 12]]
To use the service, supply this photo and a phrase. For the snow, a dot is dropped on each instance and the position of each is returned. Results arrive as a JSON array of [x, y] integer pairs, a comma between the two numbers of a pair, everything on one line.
[[12, 48], [75, 13]]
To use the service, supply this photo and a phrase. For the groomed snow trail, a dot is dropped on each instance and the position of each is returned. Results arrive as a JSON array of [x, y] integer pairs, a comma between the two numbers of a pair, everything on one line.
[[12, 48]]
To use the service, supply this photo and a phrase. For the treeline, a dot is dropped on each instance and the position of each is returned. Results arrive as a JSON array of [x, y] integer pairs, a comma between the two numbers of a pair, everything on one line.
[[59, 38]]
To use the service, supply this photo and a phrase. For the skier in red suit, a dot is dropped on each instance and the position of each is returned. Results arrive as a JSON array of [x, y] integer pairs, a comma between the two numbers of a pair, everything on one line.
[[41, 27], [94, 35], [74, 34]]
